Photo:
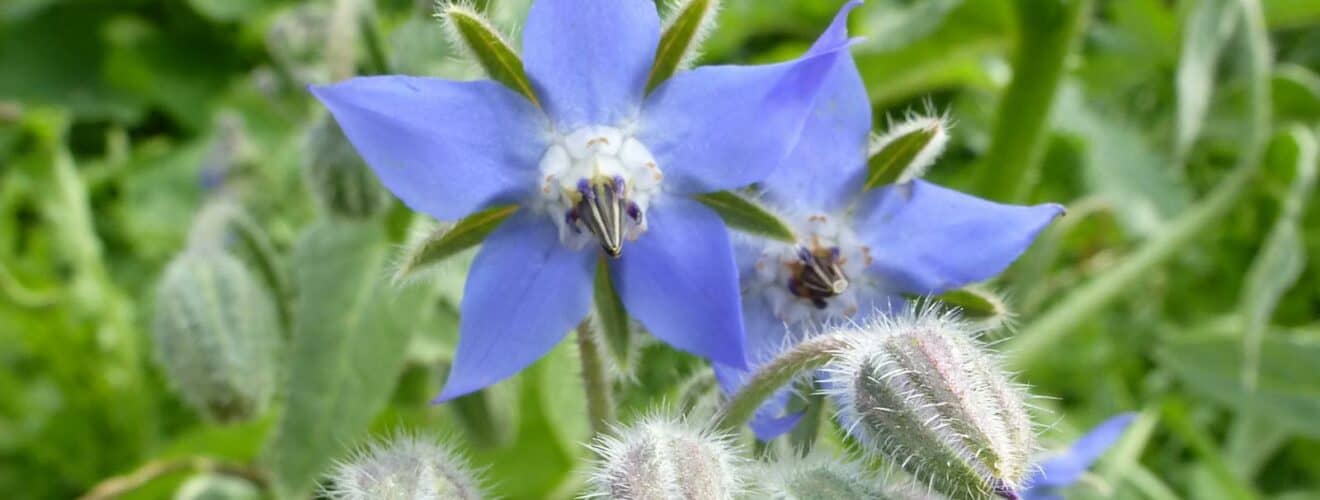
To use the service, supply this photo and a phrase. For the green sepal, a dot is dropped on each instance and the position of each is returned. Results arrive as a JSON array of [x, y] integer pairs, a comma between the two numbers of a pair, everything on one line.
[[678, 44], [612, 319], [975, 304], [746, 215], [888, 163], [471, 31], [444, 243]]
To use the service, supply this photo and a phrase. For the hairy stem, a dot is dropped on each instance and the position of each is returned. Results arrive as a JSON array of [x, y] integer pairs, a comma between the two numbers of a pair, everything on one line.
[[806, 356], [600, 396], [118, 486]]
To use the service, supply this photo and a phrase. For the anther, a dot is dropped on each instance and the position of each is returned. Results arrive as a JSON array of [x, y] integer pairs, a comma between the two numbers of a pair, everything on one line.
[[818, 276], [602, 208]]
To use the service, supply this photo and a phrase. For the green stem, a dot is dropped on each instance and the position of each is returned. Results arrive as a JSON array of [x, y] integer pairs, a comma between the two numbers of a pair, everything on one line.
[[1047, 33], [600, 396], [806, 356], [118, 486], [380, 64]]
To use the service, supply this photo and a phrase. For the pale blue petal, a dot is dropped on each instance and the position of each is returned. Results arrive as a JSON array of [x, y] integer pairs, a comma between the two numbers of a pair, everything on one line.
[[725, 127], [524, 293], [767, 336], [825, 170], [926, 239], [589, 59], [1067, 468], [679, 280], [445, 148]]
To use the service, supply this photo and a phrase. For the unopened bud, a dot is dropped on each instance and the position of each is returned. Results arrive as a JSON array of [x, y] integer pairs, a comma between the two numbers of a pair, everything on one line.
[[921, 391], [664, 459], [821, 478], [907, 150], [404, 468], [217, 335], [340, 181], [296, 41], [217, 487]]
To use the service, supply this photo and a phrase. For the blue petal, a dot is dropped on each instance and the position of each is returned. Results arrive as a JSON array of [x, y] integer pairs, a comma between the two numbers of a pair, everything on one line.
[[767, 336], [825, 169], [724, 127], [1067, 468], [524, 293], [928, 239], [678, 279], [589, 59], [445, 148]]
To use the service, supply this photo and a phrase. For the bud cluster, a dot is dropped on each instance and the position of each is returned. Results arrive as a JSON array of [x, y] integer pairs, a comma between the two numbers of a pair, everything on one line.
[[920, 390]]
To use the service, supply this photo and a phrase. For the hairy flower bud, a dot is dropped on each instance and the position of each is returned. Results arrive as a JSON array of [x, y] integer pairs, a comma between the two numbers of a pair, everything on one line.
[[404, 468], [664, 459], [217, 335], [339, 180], [821, 478], [217, 487], [921, 391]]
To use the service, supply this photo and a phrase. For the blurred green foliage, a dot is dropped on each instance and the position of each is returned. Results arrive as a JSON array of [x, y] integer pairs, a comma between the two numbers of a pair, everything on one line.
[[1181, 134]]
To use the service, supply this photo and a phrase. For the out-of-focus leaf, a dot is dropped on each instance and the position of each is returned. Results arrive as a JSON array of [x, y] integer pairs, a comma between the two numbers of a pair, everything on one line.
[[1206, 32], [563, 399], [229, 10], [1282, 14], [1296, 92], [895, 23], [1286, 393], [351, 328], [1279, 262]]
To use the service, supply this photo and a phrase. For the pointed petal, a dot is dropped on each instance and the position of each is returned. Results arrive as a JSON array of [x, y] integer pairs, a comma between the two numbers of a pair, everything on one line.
[[524, 293], [928, 239], [1067, 468], [445, 148], [767, 336], [679, 280], [589, 59], [724, 127], [826, 167]]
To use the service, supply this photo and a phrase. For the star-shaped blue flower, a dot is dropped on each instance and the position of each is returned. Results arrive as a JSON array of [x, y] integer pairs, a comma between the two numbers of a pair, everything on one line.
[[594, 162], [1065, 469], [858, 252]]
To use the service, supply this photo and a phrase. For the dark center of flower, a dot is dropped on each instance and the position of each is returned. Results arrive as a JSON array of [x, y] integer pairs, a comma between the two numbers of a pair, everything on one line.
[[602, 208], [817, 275]]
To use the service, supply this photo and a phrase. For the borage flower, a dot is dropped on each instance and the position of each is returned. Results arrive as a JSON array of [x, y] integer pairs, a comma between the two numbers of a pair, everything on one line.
[[590, 157], [1067, 468], [859, 252]]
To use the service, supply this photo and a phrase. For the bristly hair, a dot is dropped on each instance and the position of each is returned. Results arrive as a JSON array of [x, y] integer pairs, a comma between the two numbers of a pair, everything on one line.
[[404, 458], [930, 119], [452, 35], [693, 53], [665, 455]]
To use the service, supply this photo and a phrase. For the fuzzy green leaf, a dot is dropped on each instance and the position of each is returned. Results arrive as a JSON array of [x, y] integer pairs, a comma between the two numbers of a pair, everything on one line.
[[892, 158], [1210, 25], [612, 319], [474, 33], [679, 43], [351, 332], [748, 216], [444, 243]]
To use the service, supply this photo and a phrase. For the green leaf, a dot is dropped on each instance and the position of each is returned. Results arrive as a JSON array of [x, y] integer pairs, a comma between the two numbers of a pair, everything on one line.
[[470, 30], [612, 320], [748, 216], [562, 397], [681, 39], [1296, 92], [351, 330], [975, 303], [1208, 29], [1279, 263], [895, 156], [444, 243], [893, 24]]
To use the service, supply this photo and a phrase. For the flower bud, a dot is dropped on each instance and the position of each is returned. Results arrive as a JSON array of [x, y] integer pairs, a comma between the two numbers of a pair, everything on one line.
[[404, 468], [217, 487], [339, 180], [921, 391], [217, 335], [820, 478], [296, 42], [664, 459]]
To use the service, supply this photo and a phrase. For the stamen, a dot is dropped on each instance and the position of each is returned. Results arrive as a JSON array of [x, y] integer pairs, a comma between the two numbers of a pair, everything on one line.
[[818, 276], [602, 208]]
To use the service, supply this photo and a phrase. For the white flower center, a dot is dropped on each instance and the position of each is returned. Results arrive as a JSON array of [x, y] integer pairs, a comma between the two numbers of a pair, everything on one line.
[[596, 184], [819, 277]]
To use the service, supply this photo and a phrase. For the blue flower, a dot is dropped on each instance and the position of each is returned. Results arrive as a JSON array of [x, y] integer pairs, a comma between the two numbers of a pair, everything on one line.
[[594, 162], [859, 252], [1066, 468]]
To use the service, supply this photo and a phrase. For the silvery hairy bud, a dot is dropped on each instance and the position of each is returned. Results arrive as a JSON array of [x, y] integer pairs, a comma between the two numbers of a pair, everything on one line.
[[664, 459], [340, 182], [920, 390], [404, 468], [217, 335], [821, 478]]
